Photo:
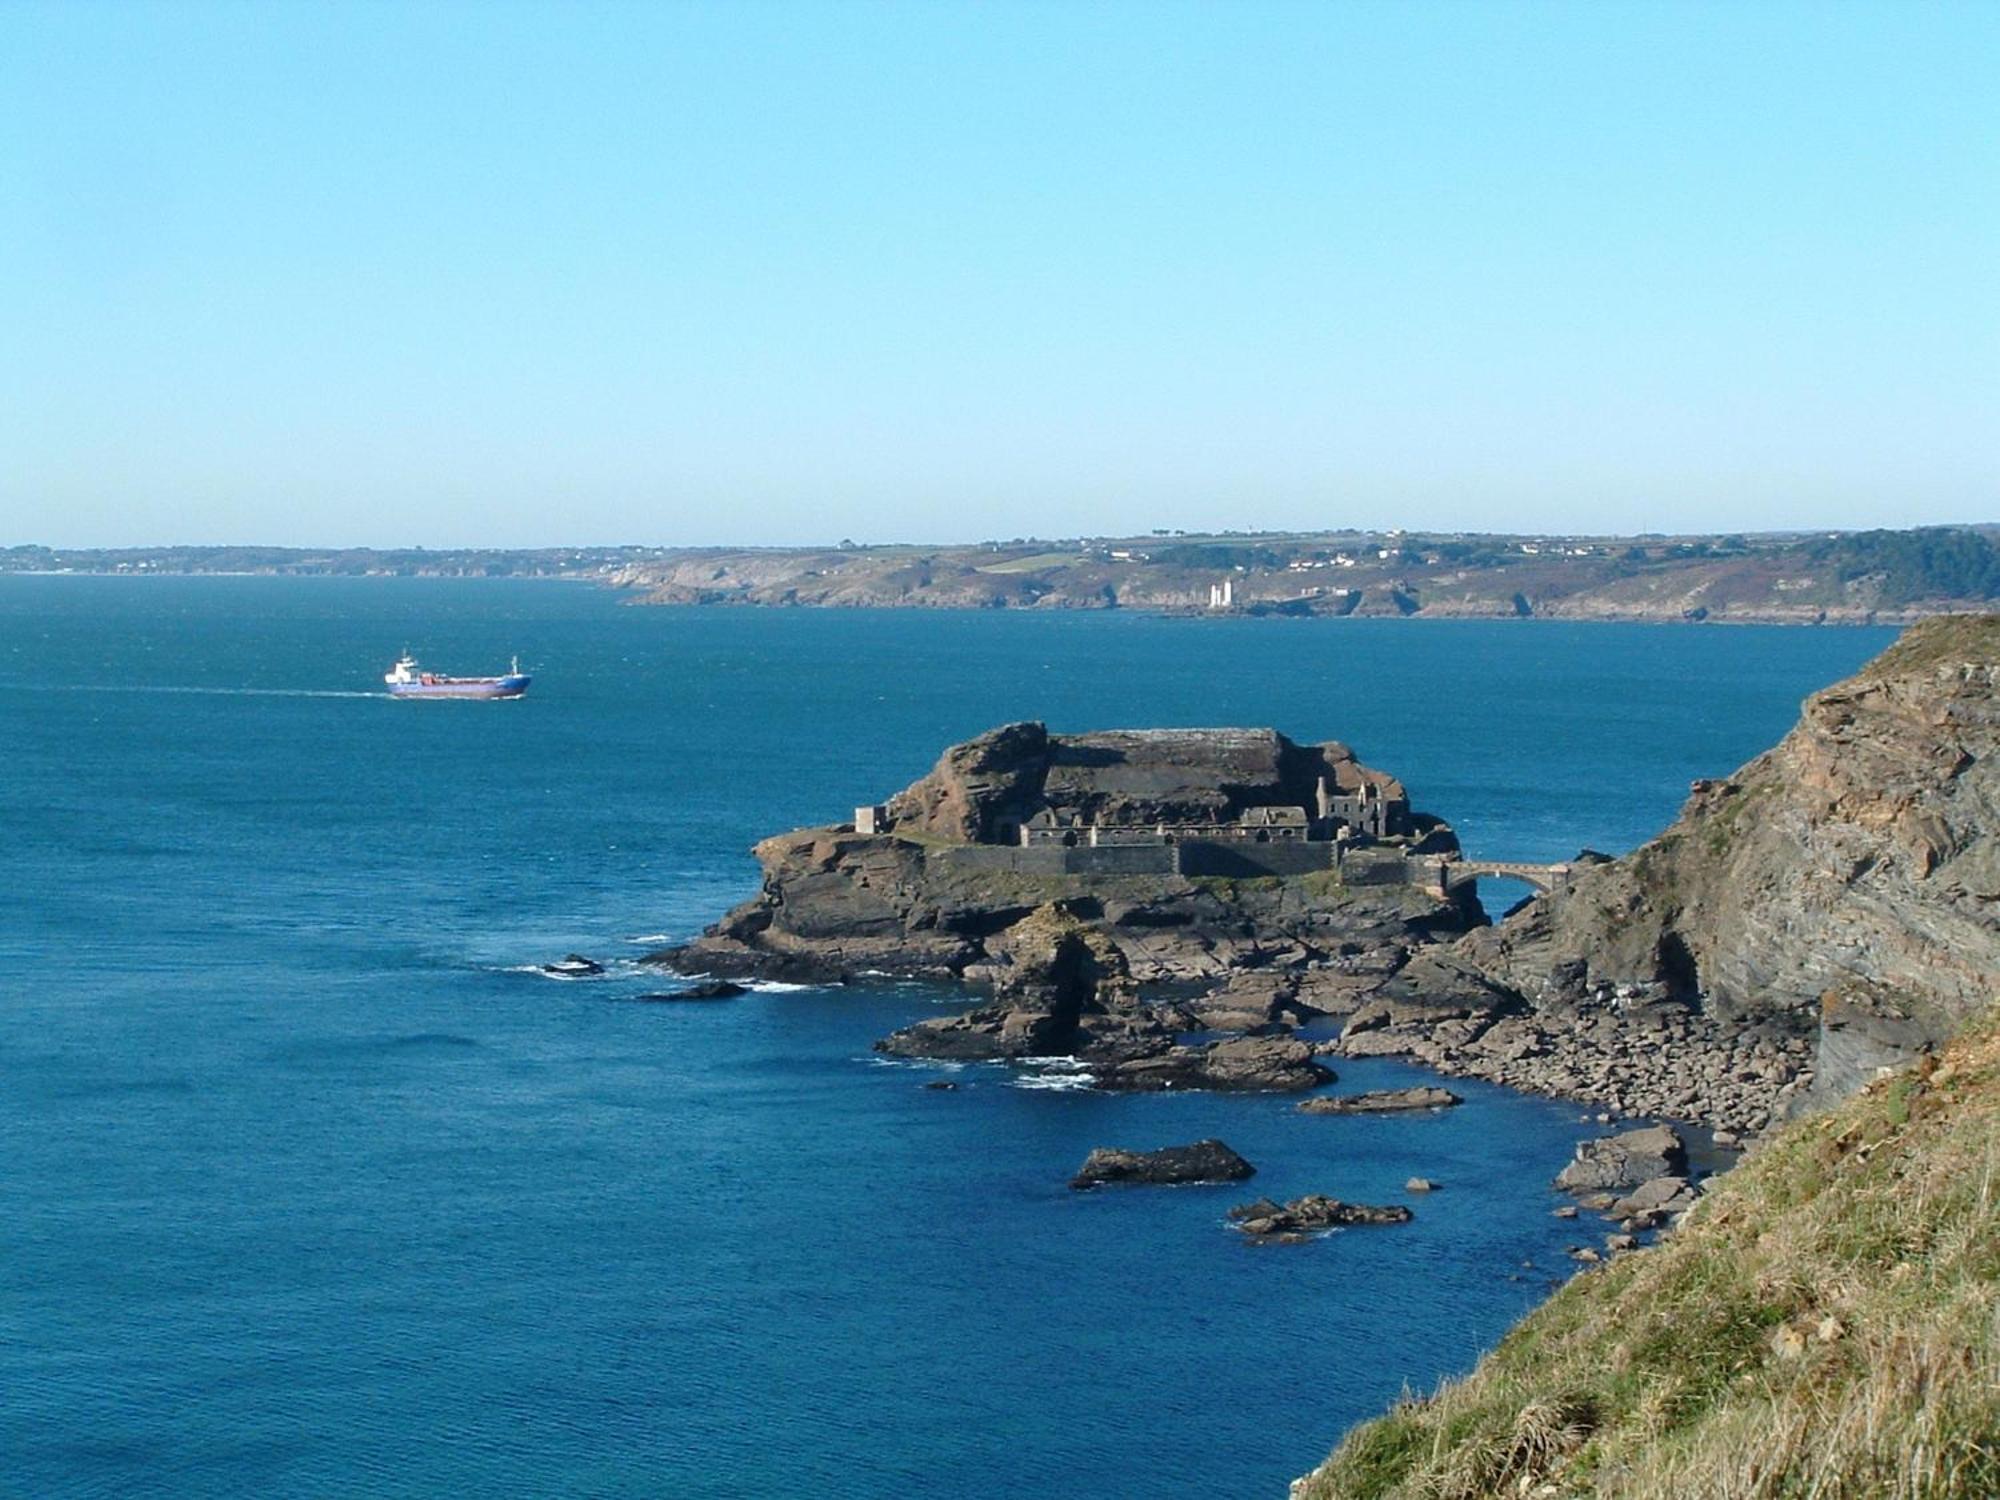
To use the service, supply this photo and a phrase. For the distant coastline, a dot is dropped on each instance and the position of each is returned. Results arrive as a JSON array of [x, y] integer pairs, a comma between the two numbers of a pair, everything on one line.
[[1832, 578]]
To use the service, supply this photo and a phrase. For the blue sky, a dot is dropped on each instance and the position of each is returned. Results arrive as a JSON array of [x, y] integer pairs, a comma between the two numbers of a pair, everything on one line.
[[759, 272]]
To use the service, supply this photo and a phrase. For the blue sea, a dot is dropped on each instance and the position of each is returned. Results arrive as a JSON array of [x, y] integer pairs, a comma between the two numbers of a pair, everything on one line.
[[310, 1184]]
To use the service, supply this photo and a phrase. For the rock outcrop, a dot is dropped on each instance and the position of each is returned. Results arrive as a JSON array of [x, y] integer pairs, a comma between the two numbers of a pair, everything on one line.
[[1217, 902], [1204, 1161], [1303, 1217], [1240, 1065], [1068, 989], [1381, 1101]]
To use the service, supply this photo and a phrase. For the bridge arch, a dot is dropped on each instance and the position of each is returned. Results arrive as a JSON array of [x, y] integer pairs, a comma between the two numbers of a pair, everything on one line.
[[1543, 878]]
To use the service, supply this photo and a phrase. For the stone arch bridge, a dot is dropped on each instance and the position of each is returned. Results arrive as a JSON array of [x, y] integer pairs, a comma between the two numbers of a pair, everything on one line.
[[1541, 877]]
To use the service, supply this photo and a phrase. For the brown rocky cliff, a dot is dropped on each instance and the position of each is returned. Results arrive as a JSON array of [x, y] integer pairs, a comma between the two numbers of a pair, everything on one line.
[[1853, 871]]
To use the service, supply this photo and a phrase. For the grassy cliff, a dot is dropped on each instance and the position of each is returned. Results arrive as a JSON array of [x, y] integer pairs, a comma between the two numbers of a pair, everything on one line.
[[1825, 1324]]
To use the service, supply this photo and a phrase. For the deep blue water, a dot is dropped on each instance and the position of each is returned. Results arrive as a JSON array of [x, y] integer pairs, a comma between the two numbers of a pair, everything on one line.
[[305, 1187]]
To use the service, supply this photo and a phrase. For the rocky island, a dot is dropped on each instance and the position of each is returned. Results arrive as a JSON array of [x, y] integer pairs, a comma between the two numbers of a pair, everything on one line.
[[1116, 892]]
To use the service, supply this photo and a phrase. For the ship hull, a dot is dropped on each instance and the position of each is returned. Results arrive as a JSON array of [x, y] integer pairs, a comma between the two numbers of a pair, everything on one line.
[[463, 687]]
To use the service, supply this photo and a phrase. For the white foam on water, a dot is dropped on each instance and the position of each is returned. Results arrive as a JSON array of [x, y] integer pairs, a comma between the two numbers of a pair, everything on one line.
[[776, 987], [543, 972], [927, 1064], [652, 937], [1058, 1081]]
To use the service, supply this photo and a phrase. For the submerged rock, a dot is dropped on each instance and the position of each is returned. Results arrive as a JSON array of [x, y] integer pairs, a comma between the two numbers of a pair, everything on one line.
[[1266, 1219], [1381, 1101], [573, 966], [714, 989], [1203, 1161]]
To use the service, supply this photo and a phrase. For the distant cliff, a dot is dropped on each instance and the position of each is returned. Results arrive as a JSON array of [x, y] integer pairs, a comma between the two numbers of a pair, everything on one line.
[[1834, 578], [1855, 578]]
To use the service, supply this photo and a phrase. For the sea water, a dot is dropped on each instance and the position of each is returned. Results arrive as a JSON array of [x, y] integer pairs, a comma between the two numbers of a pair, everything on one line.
[[313, 1185]]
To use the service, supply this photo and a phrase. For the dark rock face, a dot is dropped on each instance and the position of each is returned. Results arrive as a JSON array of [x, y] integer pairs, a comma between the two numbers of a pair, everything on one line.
[[1627, 1160], [1381, 1101], [1204, 1161], [1293, 1221]]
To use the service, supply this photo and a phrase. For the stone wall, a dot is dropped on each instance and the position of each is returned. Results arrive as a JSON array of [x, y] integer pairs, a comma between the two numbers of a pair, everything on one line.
[[1196, 857], [1248, 861]]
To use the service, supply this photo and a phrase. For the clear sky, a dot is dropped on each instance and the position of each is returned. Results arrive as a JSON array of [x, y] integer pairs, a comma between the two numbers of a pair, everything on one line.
[[759, 272]]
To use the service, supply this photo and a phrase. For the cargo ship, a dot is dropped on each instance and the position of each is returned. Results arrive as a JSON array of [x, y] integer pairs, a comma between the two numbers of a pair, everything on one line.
[[407, 680]]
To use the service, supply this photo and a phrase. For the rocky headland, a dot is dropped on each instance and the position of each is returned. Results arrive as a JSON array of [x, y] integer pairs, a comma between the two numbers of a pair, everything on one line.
[[1830, 909], [1844, 887]]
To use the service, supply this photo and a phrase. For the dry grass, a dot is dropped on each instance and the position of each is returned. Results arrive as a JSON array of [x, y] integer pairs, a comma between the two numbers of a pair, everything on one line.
[[1825, 1326]]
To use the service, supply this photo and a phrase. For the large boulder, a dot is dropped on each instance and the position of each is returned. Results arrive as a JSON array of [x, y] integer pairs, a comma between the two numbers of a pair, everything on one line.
[[1626, 1160], [1204, 1161], [1381, 1101]]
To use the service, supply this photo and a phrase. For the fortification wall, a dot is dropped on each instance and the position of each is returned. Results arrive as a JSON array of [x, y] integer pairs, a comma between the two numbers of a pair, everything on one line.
[[1197, 857], [1249, 861]]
